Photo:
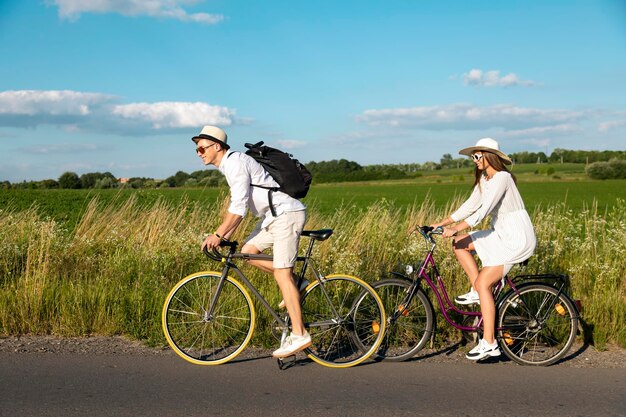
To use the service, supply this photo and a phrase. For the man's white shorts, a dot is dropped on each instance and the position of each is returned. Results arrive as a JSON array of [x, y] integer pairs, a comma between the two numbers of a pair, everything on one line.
[[283, 234]]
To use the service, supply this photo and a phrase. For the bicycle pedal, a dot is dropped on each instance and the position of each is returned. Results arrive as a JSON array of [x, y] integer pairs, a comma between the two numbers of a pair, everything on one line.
[[286, 362]]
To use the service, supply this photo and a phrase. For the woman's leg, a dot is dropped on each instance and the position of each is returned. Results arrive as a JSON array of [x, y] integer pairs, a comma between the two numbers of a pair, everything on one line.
[[463, 248], [486, 278]]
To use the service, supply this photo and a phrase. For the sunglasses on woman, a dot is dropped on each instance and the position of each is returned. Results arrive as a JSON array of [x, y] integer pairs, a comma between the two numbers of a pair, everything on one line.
[[477, 156]]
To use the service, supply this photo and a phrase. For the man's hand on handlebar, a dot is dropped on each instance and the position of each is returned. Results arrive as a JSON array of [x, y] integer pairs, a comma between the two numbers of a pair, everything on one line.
[[211, 242]]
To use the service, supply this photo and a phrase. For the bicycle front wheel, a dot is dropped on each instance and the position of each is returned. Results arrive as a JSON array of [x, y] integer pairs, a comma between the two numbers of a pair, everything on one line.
[[202, 338], [409, 323], [346, 320], [537, 325]]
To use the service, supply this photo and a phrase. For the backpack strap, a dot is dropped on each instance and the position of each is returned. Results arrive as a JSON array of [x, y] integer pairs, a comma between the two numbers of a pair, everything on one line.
[[270, 190]]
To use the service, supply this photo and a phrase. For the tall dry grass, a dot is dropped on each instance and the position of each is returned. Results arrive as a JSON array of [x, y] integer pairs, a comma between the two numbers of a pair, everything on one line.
[[111, 273]]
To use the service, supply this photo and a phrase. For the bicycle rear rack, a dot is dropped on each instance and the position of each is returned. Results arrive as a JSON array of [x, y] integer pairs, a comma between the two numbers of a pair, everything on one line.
[[560, 281], [561, 278]]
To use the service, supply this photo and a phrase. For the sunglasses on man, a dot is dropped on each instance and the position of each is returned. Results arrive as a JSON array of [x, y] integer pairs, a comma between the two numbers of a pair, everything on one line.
[[202, 149]]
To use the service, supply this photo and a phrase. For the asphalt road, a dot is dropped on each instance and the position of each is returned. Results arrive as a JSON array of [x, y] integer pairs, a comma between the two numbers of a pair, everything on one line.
[[165, 385]]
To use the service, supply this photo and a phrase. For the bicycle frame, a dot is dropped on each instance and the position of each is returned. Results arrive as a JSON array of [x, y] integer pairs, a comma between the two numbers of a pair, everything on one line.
[[438, 287], [229, 265], [535, 320], [208, 318]]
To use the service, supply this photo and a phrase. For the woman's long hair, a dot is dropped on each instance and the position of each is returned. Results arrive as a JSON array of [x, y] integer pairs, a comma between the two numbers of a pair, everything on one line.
[[496, 162]]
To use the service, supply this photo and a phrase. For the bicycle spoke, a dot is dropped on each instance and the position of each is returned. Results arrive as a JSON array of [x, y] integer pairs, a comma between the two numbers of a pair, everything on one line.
[[410, 320], [191, 313], [537, 327], [209, 339], [335, 328]]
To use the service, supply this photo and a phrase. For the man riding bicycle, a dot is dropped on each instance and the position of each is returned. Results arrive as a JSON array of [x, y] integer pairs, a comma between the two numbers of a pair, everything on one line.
[[280, 230]]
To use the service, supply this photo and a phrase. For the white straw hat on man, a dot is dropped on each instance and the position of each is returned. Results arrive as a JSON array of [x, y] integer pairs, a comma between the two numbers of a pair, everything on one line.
[[213, 133]]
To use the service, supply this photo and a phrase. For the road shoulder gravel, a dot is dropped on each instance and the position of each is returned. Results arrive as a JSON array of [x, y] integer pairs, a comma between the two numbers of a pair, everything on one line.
[[580, 356]]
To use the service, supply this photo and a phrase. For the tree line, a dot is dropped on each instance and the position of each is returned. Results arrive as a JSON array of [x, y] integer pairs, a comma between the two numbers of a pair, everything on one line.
[[564, 155], [600, 165]]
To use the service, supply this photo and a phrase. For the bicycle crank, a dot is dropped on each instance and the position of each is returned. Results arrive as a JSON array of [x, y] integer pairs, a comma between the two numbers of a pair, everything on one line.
[[286, 363]]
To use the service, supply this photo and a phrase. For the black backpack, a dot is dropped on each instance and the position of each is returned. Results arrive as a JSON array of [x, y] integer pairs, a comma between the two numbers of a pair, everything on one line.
[[292, 177]]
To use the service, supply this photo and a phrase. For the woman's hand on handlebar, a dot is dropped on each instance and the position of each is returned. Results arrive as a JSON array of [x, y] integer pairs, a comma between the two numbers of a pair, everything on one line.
[[426, 231], [440, 226], [449, 232], [445, 231]]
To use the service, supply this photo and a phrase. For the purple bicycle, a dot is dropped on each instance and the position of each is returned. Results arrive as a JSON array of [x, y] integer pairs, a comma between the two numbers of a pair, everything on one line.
[[536, 321]]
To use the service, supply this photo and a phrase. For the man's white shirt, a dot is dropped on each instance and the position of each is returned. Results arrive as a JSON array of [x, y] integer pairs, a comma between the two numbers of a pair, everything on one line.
[[241, 171]]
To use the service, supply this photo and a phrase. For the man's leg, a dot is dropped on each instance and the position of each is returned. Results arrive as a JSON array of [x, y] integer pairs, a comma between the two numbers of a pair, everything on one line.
[[262, 265], [286, 284], [283, 234], [286, 231], [291, 295], [267, 266], [299, 338]]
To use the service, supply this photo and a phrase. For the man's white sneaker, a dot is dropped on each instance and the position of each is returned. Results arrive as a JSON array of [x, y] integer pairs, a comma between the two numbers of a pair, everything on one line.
[[292, 344], [483, 350], [468, 298], [303, 284]]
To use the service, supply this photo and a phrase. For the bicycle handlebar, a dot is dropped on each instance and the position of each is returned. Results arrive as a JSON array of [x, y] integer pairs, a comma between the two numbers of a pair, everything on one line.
[[217, 255], [426, 231]]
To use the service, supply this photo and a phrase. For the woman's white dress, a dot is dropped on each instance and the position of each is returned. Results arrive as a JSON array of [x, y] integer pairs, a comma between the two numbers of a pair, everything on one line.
[[511, 239]]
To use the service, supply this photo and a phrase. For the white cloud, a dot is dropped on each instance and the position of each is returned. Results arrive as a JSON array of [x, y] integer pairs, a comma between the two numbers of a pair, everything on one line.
[[563, 129], [468, 117], [478, 77], [375, 134], [538, 143], [291, 144], [171, 114], [66, 148], [170, 9], [75, 111], [52, 102], [610, 125]]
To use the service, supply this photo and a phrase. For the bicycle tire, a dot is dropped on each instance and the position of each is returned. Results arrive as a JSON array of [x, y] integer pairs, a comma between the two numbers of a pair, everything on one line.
[[408, 327], [204, 340], [353, 334], [529, 333]]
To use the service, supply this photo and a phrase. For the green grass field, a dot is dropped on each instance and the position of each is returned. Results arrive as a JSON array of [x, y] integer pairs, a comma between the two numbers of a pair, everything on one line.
[[440, 187], [76, 262]]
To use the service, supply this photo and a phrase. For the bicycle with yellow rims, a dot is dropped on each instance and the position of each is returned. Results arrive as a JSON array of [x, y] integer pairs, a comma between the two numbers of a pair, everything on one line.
[[208, 317]]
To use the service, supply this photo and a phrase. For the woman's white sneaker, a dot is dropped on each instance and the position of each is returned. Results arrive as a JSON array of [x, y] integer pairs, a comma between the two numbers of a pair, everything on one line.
[[293, 344], [468, 298], [483, 350]]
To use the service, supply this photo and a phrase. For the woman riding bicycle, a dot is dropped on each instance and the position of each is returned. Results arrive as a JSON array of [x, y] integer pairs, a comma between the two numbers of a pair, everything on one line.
[[511, 239]]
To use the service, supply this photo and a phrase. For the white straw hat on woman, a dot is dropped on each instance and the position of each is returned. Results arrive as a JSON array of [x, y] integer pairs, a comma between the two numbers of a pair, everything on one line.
[[489, 145]]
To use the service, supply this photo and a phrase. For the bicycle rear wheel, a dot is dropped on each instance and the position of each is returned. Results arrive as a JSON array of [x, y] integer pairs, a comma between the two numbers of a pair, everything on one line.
[[201, 338], [409, 325], [537, 325], [346, 320]]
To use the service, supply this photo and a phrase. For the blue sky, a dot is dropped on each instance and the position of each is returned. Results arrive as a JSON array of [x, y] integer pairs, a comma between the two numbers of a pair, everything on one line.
[[121, 86]]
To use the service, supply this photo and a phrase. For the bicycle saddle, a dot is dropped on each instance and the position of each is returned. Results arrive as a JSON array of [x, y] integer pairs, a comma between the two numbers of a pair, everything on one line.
[[321, 234]]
